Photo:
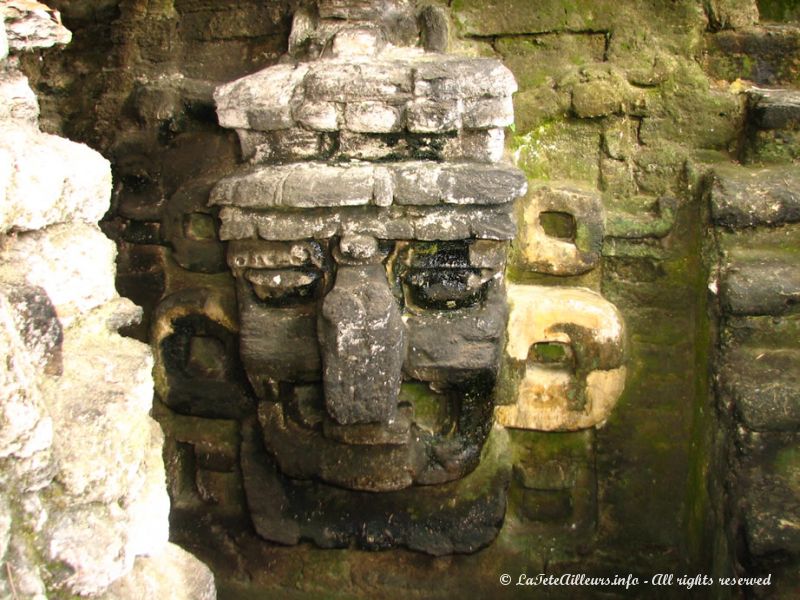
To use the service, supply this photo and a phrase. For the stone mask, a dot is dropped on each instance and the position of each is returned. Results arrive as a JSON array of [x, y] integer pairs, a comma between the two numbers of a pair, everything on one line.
[[368, 315], [368, 241]]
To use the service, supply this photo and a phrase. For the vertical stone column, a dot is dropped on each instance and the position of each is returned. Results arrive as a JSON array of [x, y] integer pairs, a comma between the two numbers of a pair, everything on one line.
[[83, 504]]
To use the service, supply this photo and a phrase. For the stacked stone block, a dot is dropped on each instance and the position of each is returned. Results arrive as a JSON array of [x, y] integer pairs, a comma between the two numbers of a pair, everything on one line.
[[399, 105], [758, 284], [84, 509], [754, 211]]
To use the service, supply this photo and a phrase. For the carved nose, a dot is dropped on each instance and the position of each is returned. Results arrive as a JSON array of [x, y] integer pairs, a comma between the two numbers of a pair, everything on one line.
[[362, 337]]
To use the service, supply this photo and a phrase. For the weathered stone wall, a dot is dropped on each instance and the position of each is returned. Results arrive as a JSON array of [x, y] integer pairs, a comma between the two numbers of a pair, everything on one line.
[[754, 212], [630, 120], [614, 104], [83, 503]]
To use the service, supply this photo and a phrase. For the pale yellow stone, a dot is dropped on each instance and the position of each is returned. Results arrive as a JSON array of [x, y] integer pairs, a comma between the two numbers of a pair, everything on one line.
[[543, 253], [538, 314]]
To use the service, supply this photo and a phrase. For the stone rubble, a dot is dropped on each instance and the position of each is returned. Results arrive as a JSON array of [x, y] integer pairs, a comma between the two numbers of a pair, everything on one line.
[[83, 507]]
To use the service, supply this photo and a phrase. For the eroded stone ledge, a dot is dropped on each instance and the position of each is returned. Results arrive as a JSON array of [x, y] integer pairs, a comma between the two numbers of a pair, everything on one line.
[[321, 185]]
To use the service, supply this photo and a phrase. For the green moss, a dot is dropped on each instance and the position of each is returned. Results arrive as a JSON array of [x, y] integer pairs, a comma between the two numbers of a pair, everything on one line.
[[640, 224], [688, 111], [543, 446], [774, 147], [781, 243], [543, 59], [779, 10], [536, 106], [787, 465], [560, 149], [550, 352], [430, 408], [516, 16], [699, 515]]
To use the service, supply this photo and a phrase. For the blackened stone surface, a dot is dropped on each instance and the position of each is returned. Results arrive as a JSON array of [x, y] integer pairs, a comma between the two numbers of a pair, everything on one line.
[[184, 380], [38, 324], [362, 339], [285, 145], [190, 228], [770, 493], [764, 385], [772, 508], [443, 344], [749, 197], [302, 453], [775, 109], [761, 285], [773, 132], [372, 434], [435, 28], [277, 344], [461, 517], [382, 457]]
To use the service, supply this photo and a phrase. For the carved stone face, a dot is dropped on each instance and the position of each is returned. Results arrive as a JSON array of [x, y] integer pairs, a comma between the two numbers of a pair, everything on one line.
[[372, 312], [375, 359], [368, 238]]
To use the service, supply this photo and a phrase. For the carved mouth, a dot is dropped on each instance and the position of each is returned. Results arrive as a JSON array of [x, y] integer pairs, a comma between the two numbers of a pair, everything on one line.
[[436, 436]]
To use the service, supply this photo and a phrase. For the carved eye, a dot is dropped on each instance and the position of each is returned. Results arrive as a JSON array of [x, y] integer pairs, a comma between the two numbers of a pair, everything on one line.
[[445, 289], [439, 276], [285, 287]]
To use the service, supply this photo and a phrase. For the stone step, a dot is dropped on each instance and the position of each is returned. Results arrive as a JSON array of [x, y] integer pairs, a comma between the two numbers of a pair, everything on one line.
[[765, 55], [773, 126], [759, 273], [745, 197], [761, 283], [776, 108], [770, 492], [764, 386], [763, 331]]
